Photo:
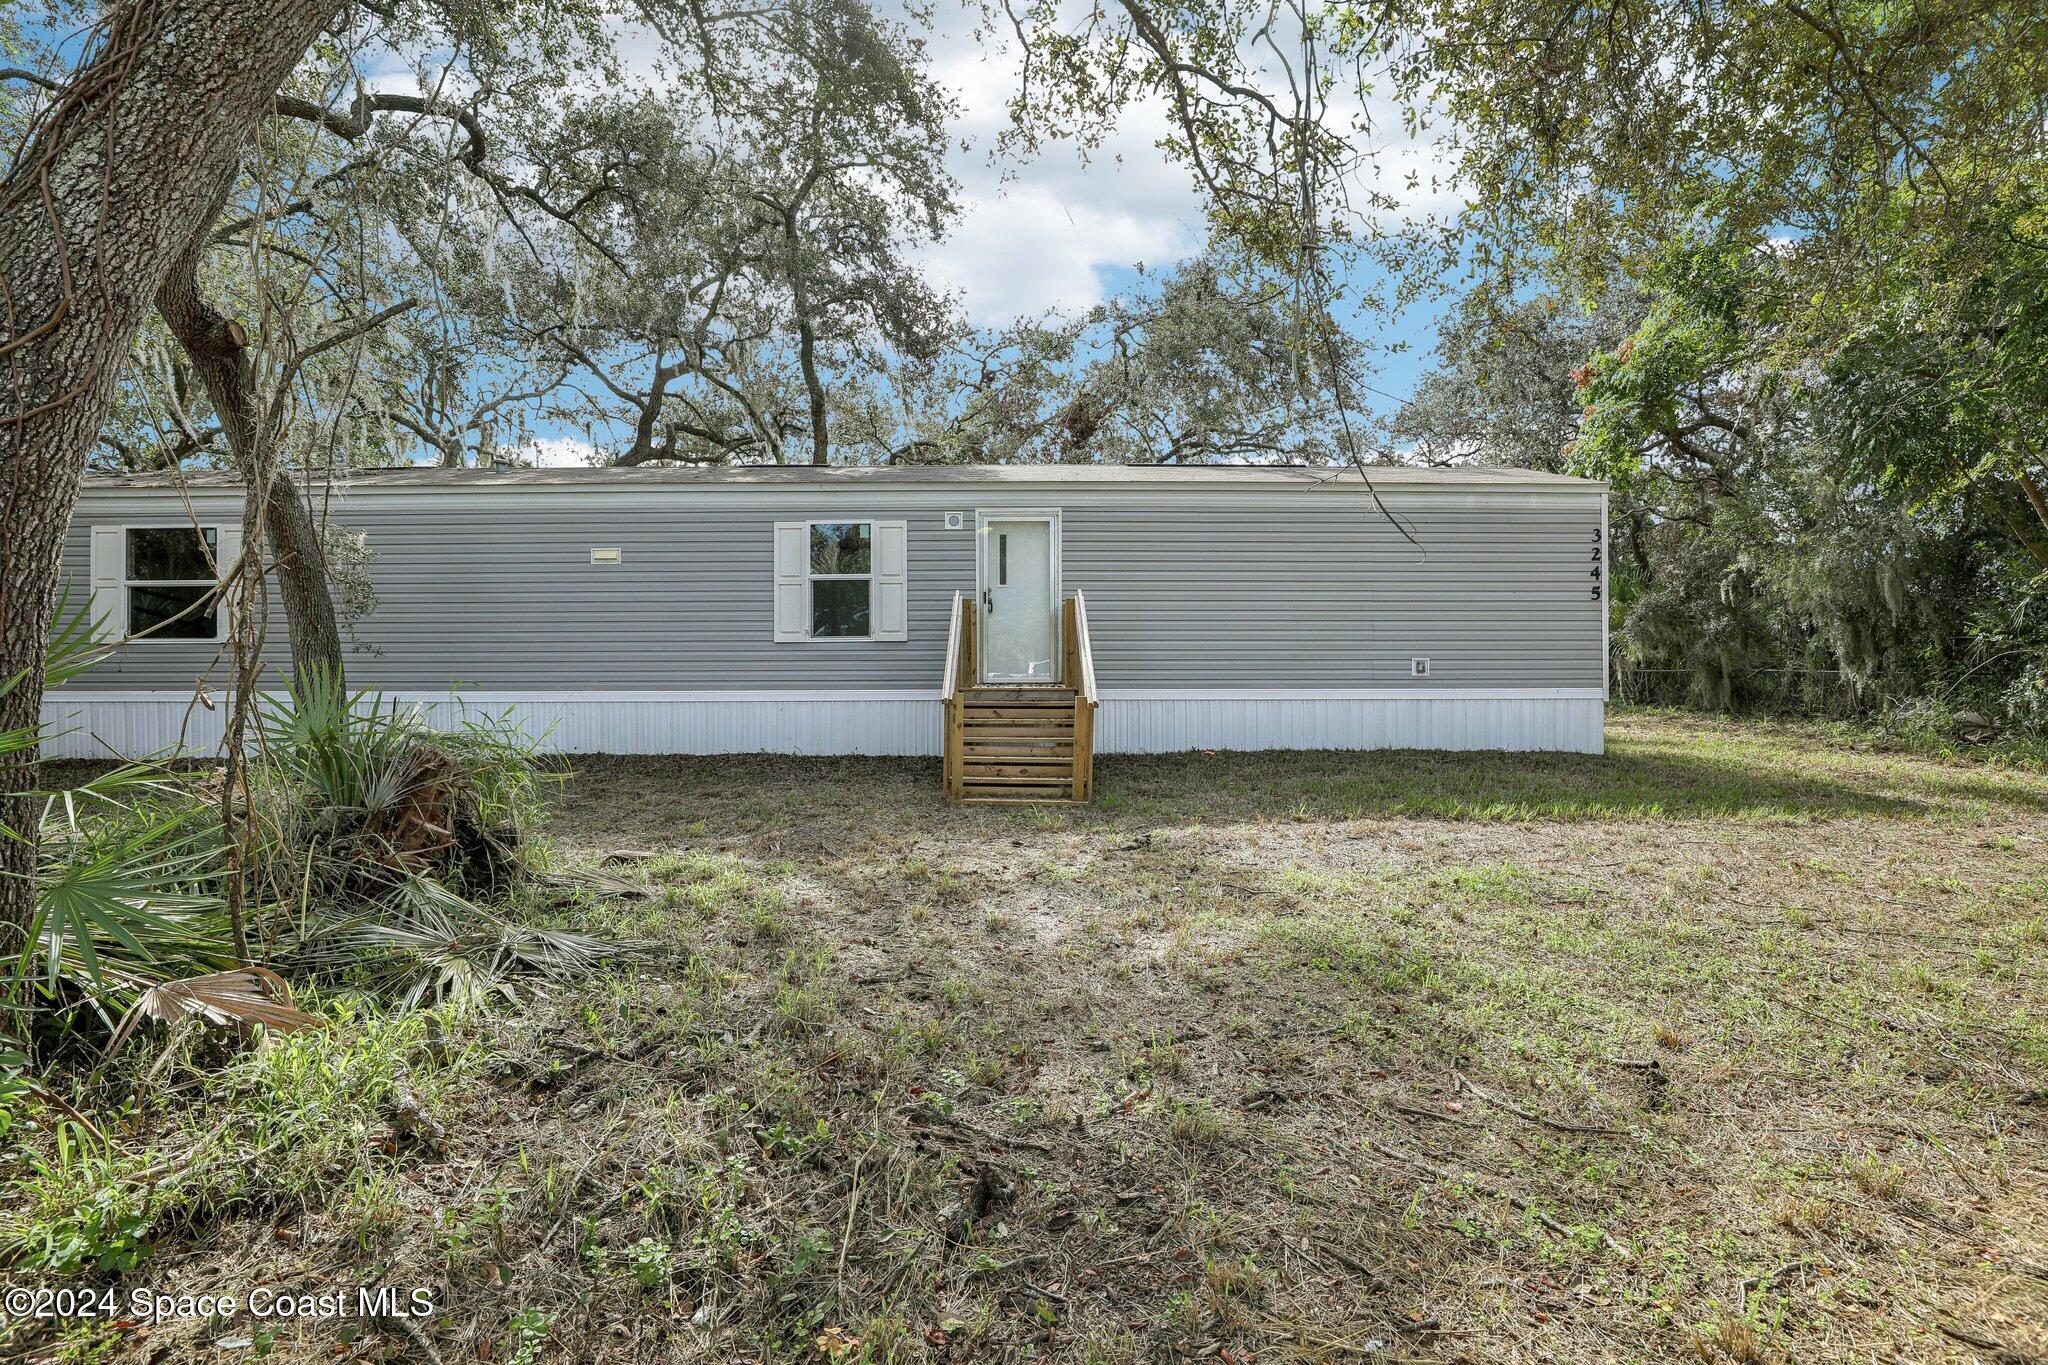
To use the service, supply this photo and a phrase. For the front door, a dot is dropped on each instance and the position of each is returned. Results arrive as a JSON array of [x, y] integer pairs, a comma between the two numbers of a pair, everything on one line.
[[1020, 598]]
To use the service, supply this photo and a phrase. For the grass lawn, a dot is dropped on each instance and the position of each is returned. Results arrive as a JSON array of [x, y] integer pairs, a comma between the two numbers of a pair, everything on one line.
[[1731, 1045]]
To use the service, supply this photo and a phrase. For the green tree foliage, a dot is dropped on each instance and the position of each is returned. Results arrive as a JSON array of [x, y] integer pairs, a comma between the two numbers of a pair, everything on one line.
[[1202, 363], [1820, 418], [1941, 385], [681, 263], [1759, 558]]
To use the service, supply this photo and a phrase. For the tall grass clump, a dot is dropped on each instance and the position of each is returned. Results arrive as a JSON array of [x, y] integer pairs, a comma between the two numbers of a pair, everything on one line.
[[376, 838], [364, 848]]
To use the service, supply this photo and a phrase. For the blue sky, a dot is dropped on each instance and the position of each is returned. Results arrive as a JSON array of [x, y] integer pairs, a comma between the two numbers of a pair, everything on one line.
[[1058, 231]]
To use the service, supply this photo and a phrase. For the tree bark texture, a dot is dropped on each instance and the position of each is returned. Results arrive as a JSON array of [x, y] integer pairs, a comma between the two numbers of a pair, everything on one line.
[[119, 173], [806, 340], [299, 558], [217, 348]]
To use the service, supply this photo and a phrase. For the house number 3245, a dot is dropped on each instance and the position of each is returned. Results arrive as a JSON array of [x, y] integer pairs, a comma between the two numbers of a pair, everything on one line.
[[1597, 565]]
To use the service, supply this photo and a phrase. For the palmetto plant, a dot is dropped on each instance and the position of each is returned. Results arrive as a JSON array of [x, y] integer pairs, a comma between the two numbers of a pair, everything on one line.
[[126, 897], [373, 833], [376, 833], [127, 875], [424, 943], [358, 794]]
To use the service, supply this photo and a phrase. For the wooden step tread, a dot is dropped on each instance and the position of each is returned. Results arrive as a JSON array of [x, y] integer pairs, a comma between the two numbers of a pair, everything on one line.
[[1016, 794], [1037, 744], [1031, 739], [1018, 756], [1039, 756], [1041, 743], [1017, 727], [1063, 695], [1017, 780], [1029, 702], [1044, 758], [1020, 801]]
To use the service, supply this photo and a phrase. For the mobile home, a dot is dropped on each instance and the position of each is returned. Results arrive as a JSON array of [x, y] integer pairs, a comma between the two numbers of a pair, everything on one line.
[[1007, 617]]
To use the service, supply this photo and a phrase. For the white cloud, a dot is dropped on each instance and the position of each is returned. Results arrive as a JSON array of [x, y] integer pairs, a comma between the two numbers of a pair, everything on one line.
[[1045, 233], [1041, 234], [556, 452], [1024, 250]]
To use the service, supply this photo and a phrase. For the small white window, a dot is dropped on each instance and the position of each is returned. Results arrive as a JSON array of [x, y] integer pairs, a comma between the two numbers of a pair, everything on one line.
[[842, 575], [839, 580], [168, 584]]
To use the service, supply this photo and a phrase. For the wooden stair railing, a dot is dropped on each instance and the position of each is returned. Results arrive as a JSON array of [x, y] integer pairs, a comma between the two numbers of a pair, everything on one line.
[[1026, 743], [1079, 664], [960, 674]]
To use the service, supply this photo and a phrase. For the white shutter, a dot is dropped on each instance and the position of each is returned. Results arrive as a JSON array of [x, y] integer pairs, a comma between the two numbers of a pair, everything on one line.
[[227, 552], [109, 591], [891, 598], [792, 551]]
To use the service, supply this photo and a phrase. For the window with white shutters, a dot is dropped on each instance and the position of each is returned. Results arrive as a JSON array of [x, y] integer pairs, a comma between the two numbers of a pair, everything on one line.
[[841, 580]]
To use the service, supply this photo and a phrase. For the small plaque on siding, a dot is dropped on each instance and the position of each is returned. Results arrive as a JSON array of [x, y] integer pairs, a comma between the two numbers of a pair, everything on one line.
[[612, 555]]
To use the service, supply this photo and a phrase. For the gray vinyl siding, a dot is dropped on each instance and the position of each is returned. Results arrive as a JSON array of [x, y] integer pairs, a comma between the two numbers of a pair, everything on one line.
[[1215, 589]]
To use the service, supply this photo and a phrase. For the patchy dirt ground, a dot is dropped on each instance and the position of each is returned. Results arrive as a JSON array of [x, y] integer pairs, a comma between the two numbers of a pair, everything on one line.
[[1729, 1045]]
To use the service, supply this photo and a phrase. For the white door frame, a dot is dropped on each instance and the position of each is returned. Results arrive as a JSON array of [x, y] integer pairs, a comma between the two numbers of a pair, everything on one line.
[[982, 517]]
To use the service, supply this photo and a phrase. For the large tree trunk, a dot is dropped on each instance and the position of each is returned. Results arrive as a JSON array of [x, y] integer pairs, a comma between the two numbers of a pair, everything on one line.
[[807, 355], [300, 559], [216, 346], [806, 341], [107, 192]]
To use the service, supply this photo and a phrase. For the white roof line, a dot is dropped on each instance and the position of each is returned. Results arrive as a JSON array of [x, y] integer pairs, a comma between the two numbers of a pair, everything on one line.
[[421, 479]]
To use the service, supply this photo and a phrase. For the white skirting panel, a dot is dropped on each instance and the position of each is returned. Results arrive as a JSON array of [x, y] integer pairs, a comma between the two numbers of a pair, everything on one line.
[[716, 724], [129, 724], [1154, 724], [134, 724]]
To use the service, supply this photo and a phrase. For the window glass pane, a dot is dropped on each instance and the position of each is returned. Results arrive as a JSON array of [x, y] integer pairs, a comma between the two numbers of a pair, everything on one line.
[[841, 547], [839, 607], [151, 609], [170, 552]]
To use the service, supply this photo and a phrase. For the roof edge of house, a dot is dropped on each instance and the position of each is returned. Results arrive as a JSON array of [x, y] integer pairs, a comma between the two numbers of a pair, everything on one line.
[[424, 478]]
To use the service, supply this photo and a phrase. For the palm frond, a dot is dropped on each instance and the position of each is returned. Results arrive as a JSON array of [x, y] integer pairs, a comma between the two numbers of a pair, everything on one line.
[[239, 996], [122, 903], [428, 943]]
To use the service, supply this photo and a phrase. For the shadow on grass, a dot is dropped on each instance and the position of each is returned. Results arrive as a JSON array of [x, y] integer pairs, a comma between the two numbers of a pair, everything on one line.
[[798, 802], [1627, 784]]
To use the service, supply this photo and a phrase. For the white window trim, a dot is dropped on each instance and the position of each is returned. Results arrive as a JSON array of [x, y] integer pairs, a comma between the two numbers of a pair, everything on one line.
[[887, 579], [811, 577], [220, 614]]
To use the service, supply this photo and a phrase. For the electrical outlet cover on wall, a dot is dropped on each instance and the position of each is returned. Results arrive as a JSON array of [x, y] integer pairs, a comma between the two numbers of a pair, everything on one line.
[[1419, 667]]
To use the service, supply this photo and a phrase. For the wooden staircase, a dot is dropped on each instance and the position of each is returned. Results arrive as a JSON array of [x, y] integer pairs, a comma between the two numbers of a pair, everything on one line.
[[1013, 744]]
